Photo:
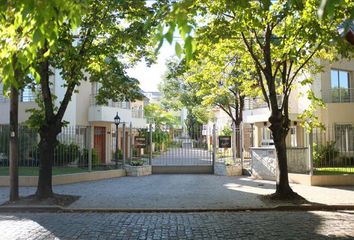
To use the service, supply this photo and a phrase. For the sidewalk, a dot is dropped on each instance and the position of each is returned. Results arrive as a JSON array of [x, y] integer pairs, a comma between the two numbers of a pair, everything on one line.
[[187, 193]]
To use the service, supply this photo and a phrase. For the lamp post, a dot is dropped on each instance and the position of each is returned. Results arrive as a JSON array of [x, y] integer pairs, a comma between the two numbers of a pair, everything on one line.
[[116, 122]]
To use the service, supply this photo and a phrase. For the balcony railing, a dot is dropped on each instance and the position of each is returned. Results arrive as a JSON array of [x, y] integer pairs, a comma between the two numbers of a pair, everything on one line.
[[338, 95], [123, 105], [258, 102], [137, 113], [28, 98]]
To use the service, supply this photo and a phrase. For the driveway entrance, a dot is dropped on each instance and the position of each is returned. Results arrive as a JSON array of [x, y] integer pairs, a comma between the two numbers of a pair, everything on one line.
[[184, 153]]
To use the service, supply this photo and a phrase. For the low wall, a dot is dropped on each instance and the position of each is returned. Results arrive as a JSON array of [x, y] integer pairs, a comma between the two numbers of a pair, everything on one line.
[[264, 161], [32, 181], [264, 167], [322, 180]]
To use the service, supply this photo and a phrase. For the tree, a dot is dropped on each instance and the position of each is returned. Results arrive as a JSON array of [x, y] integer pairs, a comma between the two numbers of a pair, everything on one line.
[[109, 30], [178, 94], [281, 38], [24, 24], [216, 68], [159, 116]]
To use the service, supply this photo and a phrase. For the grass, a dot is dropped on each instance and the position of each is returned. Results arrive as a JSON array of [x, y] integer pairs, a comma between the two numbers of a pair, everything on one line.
[[334, 170], [33, 171]]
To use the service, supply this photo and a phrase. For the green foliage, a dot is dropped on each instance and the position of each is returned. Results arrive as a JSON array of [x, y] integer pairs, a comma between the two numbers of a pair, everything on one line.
[[138, 162], [120, 154], [227, 131], [115, 84], [159, 116], [84, 158], [27, 137], [66, 153], [325, 155], [26, 26], [179, 94]]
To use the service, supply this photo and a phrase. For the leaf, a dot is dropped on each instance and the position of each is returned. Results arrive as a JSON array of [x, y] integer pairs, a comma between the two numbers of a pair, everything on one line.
[[37, 36], [169, 36], [178, 49]]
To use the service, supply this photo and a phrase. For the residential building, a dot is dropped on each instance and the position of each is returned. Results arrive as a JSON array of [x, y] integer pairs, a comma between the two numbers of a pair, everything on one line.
[[334, 86], [84, 111]]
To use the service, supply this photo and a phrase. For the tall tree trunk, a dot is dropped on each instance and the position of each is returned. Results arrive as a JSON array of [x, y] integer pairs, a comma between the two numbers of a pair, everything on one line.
[[283, 189], [14, 144], [47, 145]]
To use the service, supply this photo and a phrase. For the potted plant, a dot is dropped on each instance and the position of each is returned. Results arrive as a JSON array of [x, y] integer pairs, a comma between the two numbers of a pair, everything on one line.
[[137, 168]]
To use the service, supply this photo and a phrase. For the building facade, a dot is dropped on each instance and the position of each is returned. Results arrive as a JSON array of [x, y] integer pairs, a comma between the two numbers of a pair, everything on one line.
[[84, 111]]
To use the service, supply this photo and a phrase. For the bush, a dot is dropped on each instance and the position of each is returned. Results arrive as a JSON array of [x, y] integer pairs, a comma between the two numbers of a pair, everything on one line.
[[83, 161], [139, 162], [120, 155], [325, 155], [346, 161], [65, 154]]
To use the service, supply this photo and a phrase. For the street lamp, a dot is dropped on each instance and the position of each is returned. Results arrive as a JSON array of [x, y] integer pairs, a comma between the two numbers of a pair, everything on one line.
[[116, 122]]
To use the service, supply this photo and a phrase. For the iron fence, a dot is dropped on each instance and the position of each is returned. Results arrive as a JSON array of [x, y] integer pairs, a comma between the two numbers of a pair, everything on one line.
[[333, 149], [72, 154]]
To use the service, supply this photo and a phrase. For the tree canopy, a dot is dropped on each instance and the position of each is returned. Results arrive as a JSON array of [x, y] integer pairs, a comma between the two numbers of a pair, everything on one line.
[[276, 40]]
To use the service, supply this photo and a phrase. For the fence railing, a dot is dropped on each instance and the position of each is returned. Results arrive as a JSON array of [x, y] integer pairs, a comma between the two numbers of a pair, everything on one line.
[[137, 113], [338, 95], [110, 103], [333, 150], [258, 102], [71, 155]]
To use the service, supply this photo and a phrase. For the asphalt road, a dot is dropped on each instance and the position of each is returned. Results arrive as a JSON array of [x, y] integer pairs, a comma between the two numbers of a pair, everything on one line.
[[208, 225]]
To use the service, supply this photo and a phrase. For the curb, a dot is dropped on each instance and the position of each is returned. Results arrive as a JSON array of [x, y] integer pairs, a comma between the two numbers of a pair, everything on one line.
[[173, 210]]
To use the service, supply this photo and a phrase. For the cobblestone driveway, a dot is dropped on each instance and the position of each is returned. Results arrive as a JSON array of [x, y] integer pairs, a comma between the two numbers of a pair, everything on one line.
[[209, 225]]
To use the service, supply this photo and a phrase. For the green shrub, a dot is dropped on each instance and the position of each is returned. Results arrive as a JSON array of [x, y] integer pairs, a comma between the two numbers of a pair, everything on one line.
[[346, 161], [83, 161], [325, 155], [227, 131], [66, 153], [138, 162], [120, 155]]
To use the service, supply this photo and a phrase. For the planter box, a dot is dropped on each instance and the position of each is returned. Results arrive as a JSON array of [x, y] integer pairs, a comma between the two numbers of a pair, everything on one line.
[[227, 170], [137, 171]]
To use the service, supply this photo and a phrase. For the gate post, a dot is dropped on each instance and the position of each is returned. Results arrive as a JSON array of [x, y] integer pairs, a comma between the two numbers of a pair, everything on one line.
[[150, 141], [123, 144], [90, 141], [241, 144], [233, 140], [130, 146], [310, 151], [214, 145]]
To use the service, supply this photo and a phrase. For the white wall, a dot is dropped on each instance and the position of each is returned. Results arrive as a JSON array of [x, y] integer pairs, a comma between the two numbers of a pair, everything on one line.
[[59, 91]]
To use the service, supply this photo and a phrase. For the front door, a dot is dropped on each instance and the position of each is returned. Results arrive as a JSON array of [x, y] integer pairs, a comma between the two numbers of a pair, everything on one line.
[[100, 143]]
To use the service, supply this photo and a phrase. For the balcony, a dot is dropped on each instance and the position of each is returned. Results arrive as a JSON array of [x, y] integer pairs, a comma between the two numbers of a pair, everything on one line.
[[122, 105], [106, 113], [258, 102], [338, 95]]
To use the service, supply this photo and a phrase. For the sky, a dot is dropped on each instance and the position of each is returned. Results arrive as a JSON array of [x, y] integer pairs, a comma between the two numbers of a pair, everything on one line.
[[150, 77]]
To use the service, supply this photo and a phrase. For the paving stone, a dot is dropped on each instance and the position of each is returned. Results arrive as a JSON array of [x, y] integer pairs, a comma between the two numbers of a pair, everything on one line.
[[208, 225]]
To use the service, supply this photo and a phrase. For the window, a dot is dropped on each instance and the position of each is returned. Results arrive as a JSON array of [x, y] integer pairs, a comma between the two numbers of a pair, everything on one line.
[[27, 95], [293, 138], [344, 137], [267, 138], [340, 86]]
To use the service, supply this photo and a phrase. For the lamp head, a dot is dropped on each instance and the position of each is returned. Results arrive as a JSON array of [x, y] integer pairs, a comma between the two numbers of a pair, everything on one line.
[[116, 120]]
